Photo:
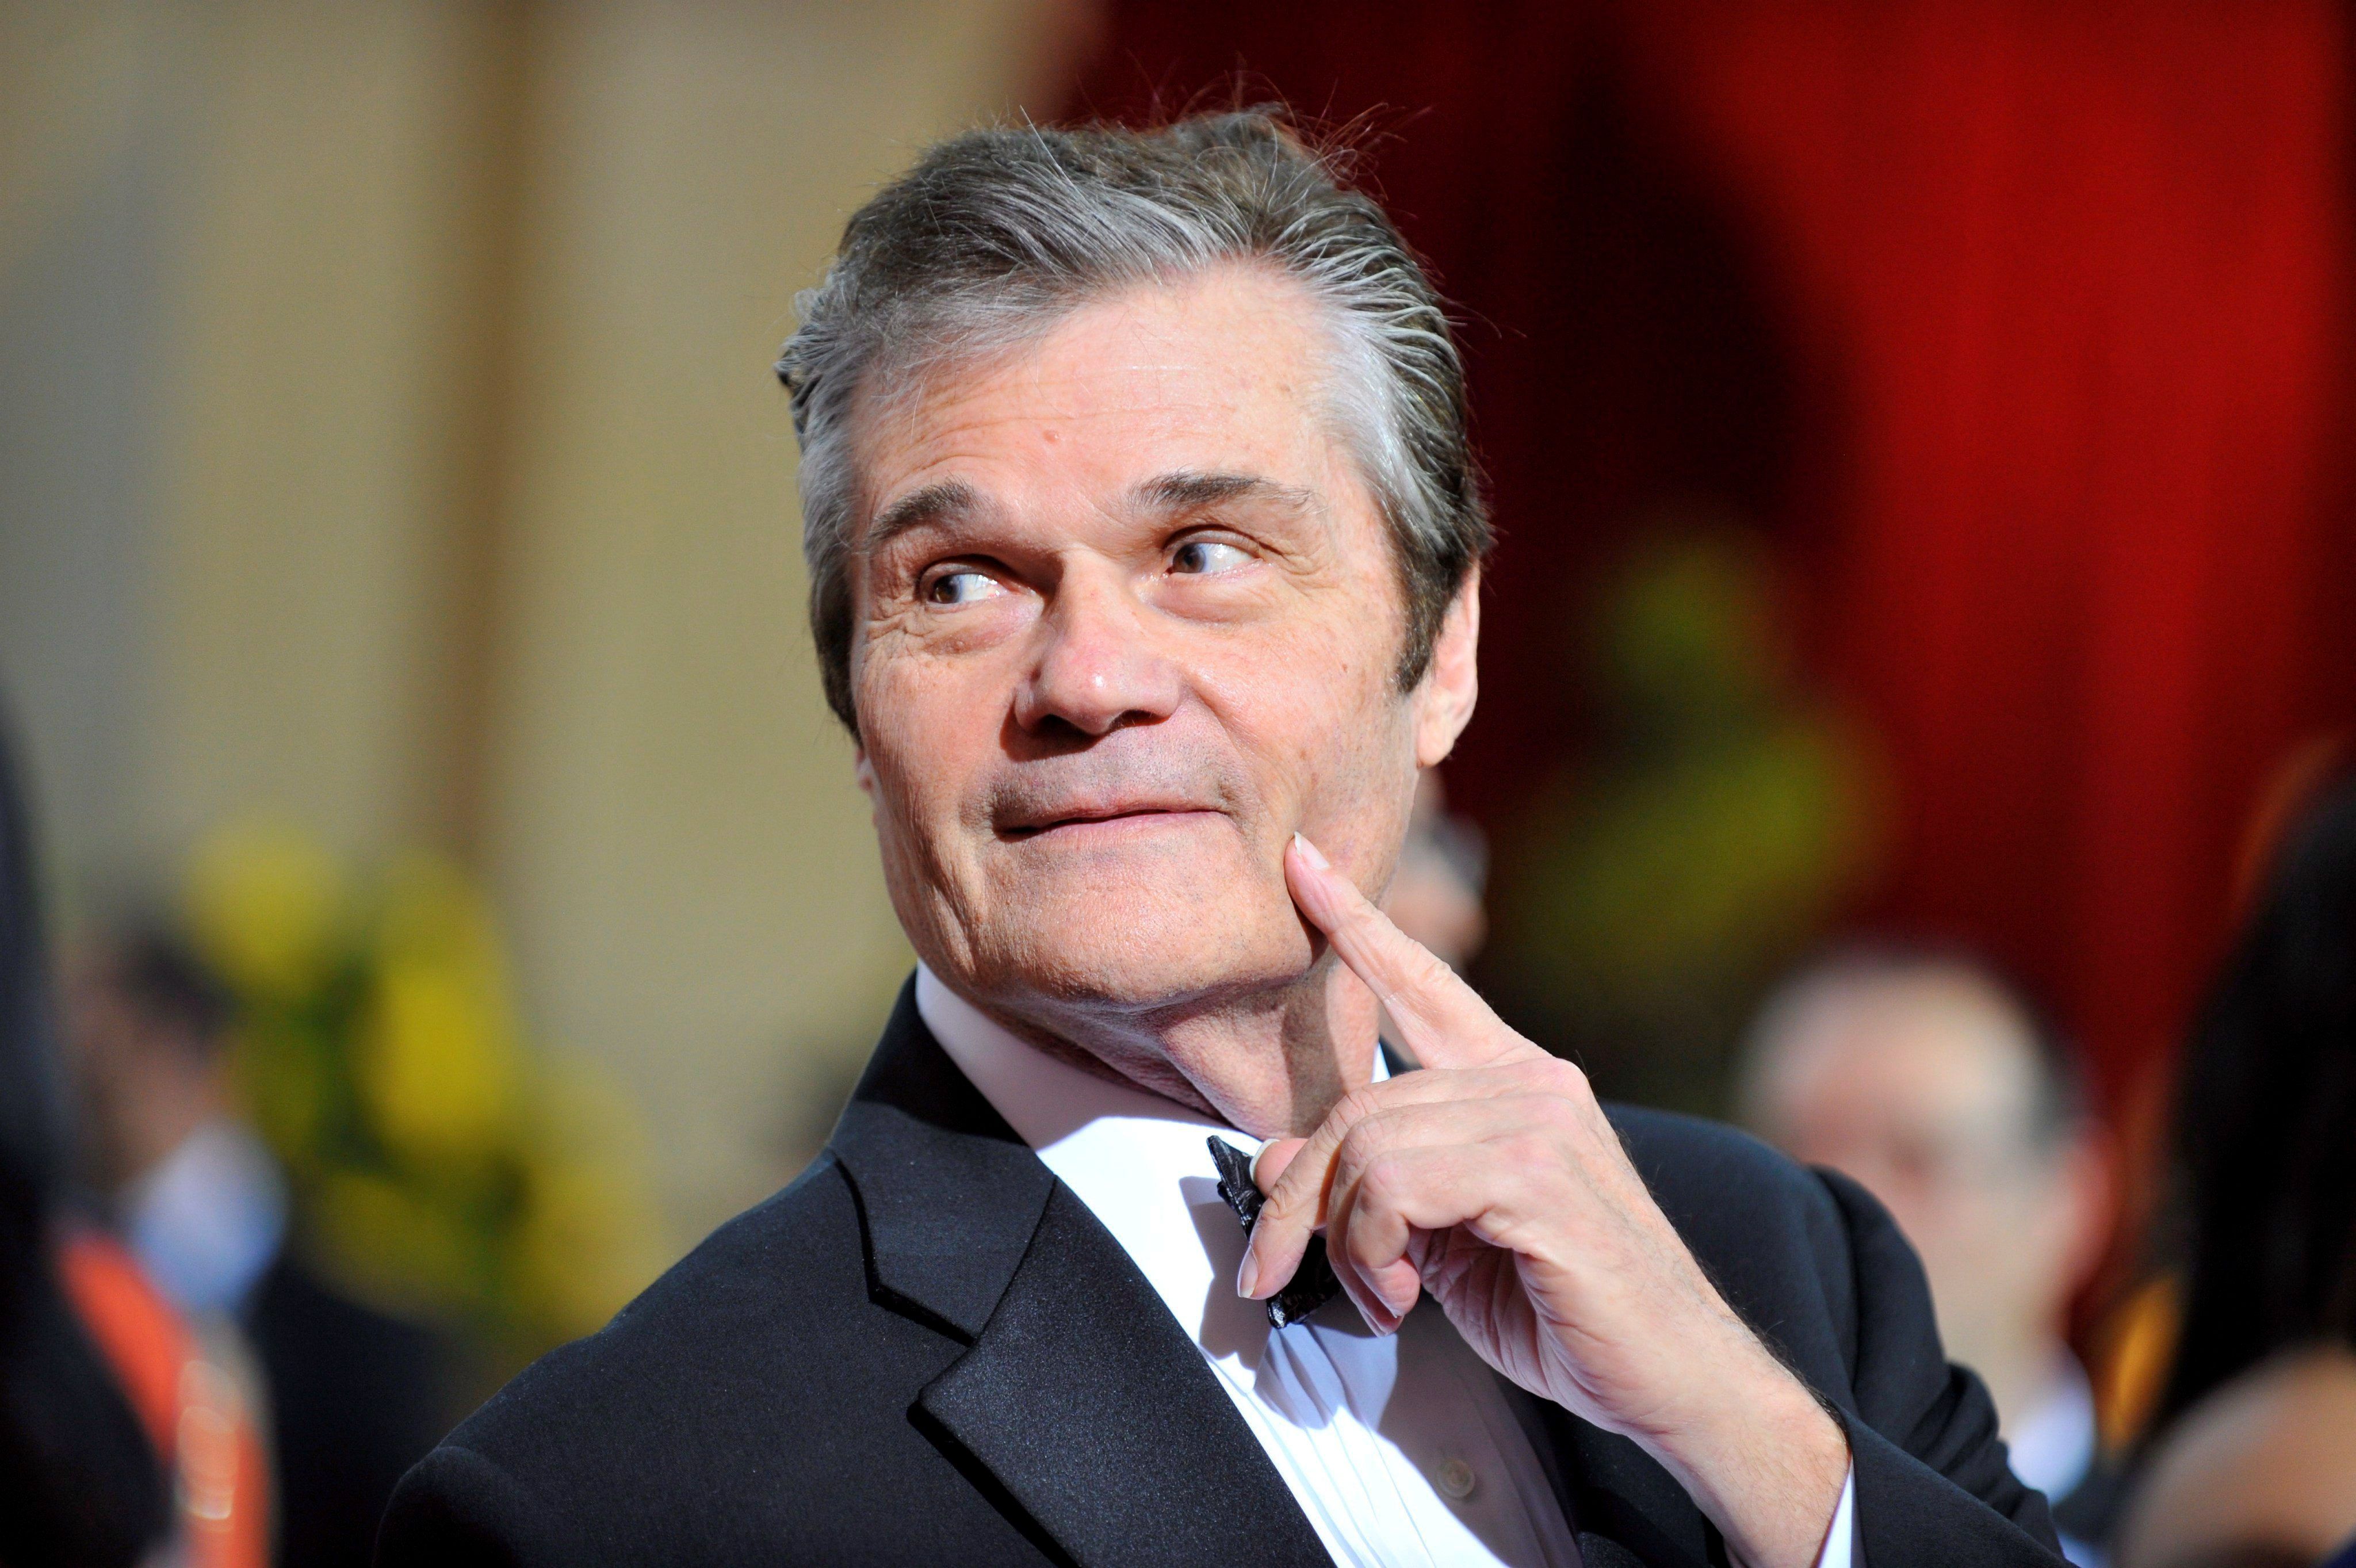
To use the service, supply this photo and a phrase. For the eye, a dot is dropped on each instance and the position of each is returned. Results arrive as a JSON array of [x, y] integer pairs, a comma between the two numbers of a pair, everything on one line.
[[964, 586], [1206, 557]]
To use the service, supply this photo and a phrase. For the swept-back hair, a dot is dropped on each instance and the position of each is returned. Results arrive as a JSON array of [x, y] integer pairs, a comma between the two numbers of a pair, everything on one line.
[[997, 233]]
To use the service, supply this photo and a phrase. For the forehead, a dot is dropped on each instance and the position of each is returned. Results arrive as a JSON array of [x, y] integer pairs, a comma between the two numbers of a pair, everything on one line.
[[1220, 371], [1908, 1049]]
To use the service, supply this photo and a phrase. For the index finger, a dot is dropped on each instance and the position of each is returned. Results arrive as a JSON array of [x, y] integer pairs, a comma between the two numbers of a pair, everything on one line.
[[1442, 1021]]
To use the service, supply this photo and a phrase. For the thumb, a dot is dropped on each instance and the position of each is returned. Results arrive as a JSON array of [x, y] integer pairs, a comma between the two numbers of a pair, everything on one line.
[[1268, 1167]]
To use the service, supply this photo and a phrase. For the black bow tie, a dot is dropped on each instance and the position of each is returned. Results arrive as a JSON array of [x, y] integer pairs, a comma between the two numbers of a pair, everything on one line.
[[1312, 1283]]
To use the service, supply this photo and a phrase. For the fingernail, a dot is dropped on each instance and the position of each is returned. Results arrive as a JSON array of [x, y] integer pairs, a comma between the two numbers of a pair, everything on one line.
[[1247, 1277], [1309, 852]]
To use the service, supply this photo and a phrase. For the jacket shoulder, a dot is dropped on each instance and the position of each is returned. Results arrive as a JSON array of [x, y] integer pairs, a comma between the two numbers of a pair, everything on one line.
[[712, 1383], [780, 1271], [1724, 1184], [1676, 1153], [1818, 1268], [1766, 1229]]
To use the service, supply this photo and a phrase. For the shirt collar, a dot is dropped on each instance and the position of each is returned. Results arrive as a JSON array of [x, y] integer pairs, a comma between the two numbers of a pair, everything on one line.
[[2052, 1444], [209, 1219], [1140, 1162]]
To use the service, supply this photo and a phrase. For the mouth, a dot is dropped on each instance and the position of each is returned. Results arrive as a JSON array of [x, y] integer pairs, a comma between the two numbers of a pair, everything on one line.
[[1102, 822]]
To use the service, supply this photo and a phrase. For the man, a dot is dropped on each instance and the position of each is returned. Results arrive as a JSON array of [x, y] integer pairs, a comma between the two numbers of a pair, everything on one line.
[[1935, 1085], [1144, 547], [353, 1396]]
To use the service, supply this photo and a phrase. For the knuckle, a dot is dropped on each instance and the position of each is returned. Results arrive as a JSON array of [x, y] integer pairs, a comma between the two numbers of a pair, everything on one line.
[[1289, 1199], [1362, 1146], [1566, 1080], [1295, 1193], [1533, 1077], [1382, 1180], [1276, 1217], [1569, 1077], [1419, 966]]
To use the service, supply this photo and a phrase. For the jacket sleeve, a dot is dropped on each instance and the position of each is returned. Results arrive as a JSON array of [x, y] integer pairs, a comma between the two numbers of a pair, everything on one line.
[[1923, 1431], [457, 1510]]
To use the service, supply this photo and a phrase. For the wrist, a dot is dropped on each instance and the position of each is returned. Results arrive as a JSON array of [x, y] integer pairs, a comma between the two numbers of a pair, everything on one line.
[[1765, 1465]]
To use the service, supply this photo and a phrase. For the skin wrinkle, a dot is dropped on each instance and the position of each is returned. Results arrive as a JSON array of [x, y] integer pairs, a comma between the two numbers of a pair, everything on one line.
[[1064, 470], [1342, 384]]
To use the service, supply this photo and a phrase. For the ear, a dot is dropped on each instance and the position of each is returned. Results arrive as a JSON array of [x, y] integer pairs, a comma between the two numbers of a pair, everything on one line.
[[1443, 701], [864, 769]]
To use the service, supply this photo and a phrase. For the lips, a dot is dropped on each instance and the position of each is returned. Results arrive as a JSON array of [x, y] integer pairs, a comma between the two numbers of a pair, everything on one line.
[[1034, 822], [1129, 782]]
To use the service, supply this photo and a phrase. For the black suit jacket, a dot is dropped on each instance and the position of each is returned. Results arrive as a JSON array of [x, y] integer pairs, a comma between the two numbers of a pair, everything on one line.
[[928, 1350]]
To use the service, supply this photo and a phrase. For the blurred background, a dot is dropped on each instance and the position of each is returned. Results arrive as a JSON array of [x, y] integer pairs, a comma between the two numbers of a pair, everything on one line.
[[1919, 435]]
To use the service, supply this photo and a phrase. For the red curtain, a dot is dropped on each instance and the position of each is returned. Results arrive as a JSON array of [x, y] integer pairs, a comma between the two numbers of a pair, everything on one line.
[[2081, 273], [2021, 325]]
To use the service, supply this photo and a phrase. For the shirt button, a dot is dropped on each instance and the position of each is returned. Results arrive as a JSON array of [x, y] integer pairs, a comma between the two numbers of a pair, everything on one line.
[[1455, 1479]]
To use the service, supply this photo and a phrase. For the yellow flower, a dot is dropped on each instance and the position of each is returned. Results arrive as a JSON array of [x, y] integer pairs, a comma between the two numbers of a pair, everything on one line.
[[585, 1245], [588, 1238], [438, 1064], [265, 904], [437, 1068]]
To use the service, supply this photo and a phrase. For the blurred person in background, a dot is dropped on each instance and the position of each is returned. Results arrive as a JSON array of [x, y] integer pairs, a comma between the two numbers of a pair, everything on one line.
[[2255, 1461], [1937, 1085], [354, 1396], [1435, 894], [121, 1441], [200, 1200]]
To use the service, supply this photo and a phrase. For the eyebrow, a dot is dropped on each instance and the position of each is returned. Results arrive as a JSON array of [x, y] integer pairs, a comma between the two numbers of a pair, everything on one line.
[[1184, 492], [1174, 492], [934, 503]]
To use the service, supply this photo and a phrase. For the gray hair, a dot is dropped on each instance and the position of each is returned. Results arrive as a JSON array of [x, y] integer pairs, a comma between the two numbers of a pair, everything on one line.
[[996, 233]]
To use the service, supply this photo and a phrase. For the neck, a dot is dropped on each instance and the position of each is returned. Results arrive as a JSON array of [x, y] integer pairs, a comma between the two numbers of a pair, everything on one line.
[[1270, 1063]]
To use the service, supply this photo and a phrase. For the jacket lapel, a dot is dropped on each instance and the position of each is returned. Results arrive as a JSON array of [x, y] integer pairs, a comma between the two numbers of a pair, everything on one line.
[[1080, 1403], [949, 1195]]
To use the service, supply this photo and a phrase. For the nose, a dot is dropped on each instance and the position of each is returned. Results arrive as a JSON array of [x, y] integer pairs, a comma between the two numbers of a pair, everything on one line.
[[1098, 667]]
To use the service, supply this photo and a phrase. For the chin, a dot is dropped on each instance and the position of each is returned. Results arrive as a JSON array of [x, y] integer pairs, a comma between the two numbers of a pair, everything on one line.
[[1132, 939]]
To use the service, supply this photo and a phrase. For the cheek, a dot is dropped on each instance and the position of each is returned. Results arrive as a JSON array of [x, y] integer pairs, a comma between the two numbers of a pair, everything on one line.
[[1318, 716], [1329, 653], [919, 745]]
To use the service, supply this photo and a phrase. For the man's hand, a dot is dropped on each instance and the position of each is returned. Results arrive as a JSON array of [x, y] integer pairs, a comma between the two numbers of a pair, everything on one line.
[[1493, 1180]]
